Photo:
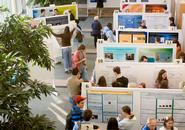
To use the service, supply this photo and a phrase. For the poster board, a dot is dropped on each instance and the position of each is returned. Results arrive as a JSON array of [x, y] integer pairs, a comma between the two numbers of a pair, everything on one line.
[[161, 53], [107, 4], [49, 11], [133, 20], [148, 36], [145, 103]]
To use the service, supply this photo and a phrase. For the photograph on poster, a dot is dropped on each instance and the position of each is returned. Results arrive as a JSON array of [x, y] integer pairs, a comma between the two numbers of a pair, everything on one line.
[[162, 37], [57, 20], [129, 21], [163, 55], [118, 54], [132, 37], [156, 8], [136, 8], [42, 12]]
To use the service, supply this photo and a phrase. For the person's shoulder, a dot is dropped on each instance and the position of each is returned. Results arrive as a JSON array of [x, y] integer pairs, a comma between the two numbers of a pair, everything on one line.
[[175, 128], [162, 128]]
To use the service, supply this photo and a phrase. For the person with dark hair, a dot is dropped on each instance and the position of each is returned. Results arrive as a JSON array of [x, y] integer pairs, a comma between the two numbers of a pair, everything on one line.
[[112, 124], [102, 82], [56, 12], [143, 25], [79, 61], [72, 17], [116, 84], [119, 78], [172, 21], [76, 111], [144, 59], [162, 80], [127, 119], [142, 85], [99, 7], [168, 124], [42, 13], [74, 84], [66, 47], [157, 40], [178, 49], [96, 30], [108, 33], [151, 124]]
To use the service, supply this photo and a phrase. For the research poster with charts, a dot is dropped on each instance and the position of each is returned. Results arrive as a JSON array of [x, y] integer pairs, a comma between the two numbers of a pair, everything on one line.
[[160, 55], [119, 54], [72, 8], [161, 105], [107, 104], [48, 11]]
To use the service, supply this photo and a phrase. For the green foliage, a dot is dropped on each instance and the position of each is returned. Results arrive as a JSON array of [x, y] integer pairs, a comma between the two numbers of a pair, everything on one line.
[[17, 36], [20, 44], [16, 90], [48, 2], [3, 9]]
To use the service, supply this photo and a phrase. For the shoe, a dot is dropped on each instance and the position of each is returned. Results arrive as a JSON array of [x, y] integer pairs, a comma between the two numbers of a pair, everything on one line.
[[66, 72]]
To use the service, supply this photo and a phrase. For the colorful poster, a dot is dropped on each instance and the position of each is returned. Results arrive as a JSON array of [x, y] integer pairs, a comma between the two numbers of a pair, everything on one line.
[[118, 54], [42, 12], [137, 8], [162, 37], [156, 8], [164, 55], [57, 20], [63, 9], [129, 21]]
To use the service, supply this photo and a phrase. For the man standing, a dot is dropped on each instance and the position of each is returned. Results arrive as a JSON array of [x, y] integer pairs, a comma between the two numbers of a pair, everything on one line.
[[99, 7], [74, 84]]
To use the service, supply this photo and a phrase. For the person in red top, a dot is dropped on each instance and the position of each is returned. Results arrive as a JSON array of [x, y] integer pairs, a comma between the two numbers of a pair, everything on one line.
[[79, 61]]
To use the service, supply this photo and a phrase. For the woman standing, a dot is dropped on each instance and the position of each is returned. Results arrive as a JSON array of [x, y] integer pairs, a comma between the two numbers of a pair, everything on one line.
[[162, 80], [99, 7], [79, 61], [66, 47]]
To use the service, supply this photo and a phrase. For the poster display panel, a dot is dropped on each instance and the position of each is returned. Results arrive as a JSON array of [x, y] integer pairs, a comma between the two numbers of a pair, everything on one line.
[[132, 8], [129, 21], [57, 20], [42, 12], [156, 8]]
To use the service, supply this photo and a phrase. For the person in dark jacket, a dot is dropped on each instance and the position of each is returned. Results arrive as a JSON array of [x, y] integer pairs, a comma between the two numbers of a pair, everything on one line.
[[66, 47], [96, 29], [119, 78], [99, 7]]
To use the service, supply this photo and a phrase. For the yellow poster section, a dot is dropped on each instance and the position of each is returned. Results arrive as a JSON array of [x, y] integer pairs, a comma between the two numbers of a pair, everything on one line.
[[62, 9]]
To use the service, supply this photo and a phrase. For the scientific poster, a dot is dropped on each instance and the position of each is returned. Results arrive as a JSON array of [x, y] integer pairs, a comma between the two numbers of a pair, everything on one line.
[[63, 9], [161, 55], [46, 12], [129, 21], [155, 8], [118, 54], [132, 8], [57, 20]]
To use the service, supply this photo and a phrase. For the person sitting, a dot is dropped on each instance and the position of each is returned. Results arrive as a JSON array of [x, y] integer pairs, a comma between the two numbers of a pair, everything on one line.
[[102, 82], [150, 125], [168, 124], [112, 124], [143, 25], [162, 80], [119, 78], [178, 49], [144, 59], [77, 112], [87, 116], [127, 119]]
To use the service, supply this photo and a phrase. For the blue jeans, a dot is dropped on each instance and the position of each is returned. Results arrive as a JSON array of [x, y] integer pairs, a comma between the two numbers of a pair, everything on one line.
[[84, 74], [67, 58]]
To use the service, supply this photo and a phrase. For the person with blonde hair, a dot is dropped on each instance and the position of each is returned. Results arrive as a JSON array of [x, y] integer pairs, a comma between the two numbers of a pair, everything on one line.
[[150, 125]]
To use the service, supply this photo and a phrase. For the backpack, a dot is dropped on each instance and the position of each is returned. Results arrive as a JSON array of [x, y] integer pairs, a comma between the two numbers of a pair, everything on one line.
[[79, 36], [104, 36], [68, 122]]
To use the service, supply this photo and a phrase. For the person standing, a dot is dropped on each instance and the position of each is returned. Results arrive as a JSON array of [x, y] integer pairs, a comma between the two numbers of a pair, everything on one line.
[[96, 29], [99, 7], [162, 80], [66, 48]]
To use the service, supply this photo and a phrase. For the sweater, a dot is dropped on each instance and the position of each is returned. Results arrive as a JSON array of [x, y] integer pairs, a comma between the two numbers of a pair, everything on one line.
[[163, 128]]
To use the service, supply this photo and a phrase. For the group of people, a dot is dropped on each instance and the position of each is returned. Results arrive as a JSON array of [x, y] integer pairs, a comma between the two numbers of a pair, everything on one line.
[[78, 119], [122, 81]]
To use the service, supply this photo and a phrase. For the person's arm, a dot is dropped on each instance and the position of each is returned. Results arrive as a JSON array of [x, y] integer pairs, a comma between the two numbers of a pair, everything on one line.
[[72, 31], [57, 35]]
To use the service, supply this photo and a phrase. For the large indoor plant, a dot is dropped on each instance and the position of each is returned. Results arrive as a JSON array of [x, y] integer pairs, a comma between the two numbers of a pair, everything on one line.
[[47, 2], [20, 44]]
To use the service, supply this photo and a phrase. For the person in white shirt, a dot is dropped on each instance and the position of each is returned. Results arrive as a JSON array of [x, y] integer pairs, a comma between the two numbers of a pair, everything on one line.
[[127, 120], [168, 124]]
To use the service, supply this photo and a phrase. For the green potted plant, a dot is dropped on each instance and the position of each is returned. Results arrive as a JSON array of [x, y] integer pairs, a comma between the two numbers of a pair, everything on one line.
[[19, 45], [48, 2]]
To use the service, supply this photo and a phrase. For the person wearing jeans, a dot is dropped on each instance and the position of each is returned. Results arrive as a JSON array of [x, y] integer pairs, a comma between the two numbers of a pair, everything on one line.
[[66, 47]]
